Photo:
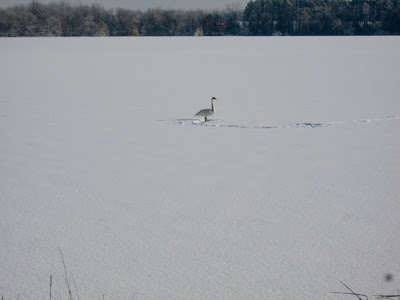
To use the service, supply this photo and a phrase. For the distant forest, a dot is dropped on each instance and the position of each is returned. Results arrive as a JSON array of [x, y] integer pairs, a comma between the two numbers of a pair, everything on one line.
[[258, 17]]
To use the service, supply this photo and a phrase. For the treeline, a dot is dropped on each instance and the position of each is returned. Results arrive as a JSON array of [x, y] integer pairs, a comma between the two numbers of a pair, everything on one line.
[[323, 17], [64, 19], [259, 17]]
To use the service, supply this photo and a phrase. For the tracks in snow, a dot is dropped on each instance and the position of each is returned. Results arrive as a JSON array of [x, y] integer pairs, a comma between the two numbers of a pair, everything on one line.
[[226, 124]]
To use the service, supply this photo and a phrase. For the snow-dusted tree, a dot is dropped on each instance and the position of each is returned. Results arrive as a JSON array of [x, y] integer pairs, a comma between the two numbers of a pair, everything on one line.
[[233, 15]]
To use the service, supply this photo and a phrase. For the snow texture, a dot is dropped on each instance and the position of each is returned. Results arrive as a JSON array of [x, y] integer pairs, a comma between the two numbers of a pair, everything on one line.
[[290, 188]]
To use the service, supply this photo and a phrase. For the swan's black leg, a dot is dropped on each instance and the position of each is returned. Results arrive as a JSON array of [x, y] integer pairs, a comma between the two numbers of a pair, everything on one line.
[[205, 119]]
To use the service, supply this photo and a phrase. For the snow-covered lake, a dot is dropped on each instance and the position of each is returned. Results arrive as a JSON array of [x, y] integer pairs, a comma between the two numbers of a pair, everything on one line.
[[290, 188]]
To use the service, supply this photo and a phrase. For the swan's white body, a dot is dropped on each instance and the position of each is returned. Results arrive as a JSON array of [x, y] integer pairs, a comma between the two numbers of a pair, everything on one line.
[[207, 111]]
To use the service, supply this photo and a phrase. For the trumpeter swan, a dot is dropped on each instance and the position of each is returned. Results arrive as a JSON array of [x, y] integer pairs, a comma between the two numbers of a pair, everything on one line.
[[207, 111]]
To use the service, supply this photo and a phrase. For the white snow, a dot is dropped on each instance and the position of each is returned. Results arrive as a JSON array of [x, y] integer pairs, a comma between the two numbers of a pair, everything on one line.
[[292, 187]]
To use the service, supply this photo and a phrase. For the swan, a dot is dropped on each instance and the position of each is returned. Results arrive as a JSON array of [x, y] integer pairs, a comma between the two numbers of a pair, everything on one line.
[[207, 111]]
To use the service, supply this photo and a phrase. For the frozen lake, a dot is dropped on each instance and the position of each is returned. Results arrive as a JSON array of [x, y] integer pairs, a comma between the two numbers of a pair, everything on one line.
[[290, 188]]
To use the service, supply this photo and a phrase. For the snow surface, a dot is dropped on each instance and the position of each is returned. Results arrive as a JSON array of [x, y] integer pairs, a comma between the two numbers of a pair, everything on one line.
[[292, 187]]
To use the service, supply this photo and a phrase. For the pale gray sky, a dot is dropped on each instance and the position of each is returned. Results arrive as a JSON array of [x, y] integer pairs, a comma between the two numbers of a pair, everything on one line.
[[144, 4]]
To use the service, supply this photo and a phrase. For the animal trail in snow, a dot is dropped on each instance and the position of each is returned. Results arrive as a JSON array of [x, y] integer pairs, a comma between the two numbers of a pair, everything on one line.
[[226, 124]]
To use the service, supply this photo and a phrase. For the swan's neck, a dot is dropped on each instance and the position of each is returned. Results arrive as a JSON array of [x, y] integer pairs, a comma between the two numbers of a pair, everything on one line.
[[212, 105]]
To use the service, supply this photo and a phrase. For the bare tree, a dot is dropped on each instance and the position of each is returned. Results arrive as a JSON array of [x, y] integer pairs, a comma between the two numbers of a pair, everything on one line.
[[233, 13]]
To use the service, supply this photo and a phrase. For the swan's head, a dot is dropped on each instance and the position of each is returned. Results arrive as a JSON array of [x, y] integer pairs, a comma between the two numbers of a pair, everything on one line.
[[213, 98]]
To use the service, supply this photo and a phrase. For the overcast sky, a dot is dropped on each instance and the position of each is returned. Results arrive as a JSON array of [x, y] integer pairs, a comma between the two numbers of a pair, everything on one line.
[[143, 4]]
